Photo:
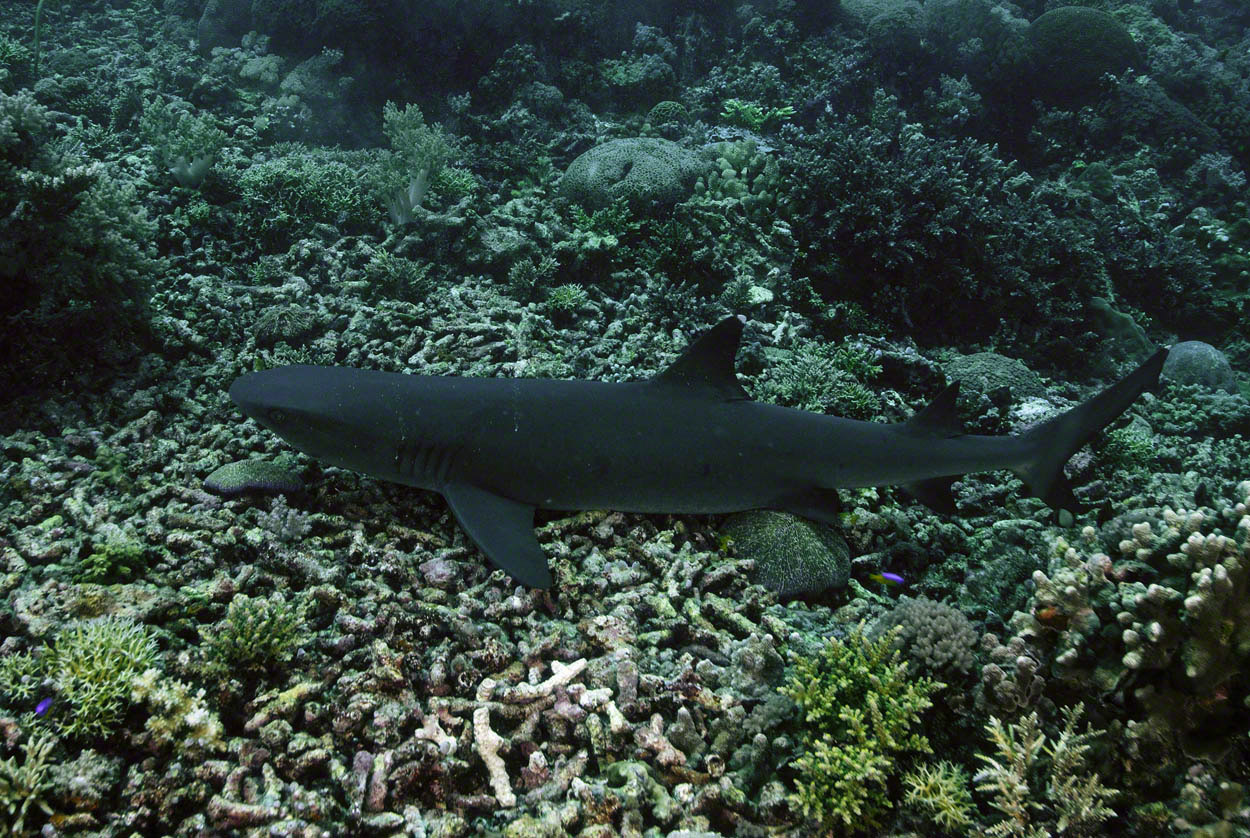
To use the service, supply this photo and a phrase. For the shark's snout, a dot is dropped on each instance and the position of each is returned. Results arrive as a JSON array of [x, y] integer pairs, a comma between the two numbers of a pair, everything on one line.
[[246, 393]]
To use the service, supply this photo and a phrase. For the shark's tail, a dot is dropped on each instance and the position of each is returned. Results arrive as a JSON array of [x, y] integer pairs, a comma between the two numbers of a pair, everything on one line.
[[1055, 440]]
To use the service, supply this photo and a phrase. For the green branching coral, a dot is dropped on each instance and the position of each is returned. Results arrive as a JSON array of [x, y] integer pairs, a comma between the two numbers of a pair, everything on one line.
[[115, 559], [184, 143], [92, 664], [286, 197], [820, 377], [858, 709], [745, 175], [22, 786], [76, 254], [1069, 801], [940, 791], [753, 116], [257, 633]]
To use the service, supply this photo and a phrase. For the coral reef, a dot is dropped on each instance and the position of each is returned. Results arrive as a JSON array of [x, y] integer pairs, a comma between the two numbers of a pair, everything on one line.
[[547, 188], [792, 555]]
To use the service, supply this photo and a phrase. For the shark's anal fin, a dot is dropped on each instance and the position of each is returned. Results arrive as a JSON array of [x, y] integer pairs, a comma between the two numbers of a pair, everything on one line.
[[815, 504], [503, 529], [934, 493]]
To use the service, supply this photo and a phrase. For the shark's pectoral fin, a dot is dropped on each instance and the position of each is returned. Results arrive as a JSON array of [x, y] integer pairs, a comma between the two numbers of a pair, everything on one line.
[[503, 529], [821, 505]]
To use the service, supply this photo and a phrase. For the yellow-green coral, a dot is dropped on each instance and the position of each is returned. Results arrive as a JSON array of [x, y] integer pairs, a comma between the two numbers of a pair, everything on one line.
[[941, 792], [22, 786], [1070, 799], [256, 633], [92, 664], [858, 709]]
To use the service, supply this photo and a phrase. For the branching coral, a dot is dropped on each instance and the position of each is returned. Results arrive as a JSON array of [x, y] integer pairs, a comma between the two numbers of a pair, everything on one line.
[[22, 786], [1075, 801], [1166, 625], [93, 664], [256, 633], [858, 709], [941, 792]]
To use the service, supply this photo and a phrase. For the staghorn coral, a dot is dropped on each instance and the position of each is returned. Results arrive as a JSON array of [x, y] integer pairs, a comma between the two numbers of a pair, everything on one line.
[[1070, 800], [858, 707], [941, 791], [22, 787], [257, 633], [93, 664]]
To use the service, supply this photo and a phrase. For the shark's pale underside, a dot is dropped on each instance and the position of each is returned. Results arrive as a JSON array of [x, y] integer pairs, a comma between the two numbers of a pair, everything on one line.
[[689, 440]]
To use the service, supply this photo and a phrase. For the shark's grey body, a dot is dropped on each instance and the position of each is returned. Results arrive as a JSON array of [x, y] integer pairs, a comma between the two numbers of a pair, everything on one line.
[[689, 440]]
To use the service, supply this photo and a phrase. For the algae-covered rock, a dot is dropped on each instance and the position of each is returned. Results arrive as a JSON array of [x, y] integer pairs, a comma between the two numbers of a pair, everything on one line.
[[1195, 362], [988, 371], [647, 172], [1073, 47], [792, 555], [253, 476]]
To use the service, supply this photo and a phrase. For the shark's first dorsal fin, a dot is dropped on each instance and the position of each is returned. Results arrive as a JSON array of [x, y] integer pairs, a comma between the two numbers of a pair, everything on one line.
[[708, 362], [937, 419]]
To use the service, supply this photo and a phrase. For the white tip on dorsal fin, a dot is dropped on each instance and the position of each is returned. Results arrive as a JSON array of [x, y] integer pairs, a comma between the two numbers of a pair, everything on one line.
[[708, 362]]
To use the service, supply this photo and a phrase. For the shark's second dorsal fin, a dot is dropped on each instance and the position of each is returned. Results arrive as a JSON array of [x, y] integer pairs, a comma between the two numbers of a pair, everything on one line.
[[708, 362], [937, 419]]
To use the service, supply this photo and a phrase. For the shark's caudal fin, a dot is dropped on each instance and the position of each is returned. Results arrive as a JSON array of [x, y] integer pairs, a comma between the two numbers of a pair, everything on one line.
[[1055, 440]]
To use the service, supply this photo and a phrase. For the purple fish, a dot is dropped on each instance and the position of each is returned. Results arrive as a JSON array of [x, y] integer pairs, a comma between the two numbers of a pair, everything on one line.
[[886, 578], [42, 707]]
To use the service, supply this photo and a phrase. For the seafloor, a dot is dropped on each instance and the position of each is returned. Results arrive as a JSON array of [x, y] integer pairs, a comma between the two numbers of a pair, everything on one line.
[[1023, 198]]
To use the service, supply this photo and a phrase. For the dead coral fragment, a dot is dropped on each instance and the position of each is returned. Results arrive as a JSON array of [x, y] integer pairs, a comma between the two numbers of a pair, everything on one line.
[[489, 744]]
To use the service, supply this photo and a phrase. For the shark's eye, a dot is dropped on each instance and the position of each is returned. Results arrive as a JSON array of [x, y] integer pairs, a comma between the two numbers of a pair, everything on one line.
[[276, 415]]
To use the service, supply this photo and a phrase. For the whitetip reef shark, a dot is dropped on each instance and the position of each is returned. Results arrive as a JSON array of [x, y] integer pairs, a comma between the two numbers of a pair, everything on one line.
[[688, 440]]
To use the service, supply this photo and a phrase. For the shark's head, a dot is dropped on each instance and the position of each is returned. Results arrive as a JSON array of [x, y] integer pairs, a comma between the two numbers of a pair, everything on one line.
[[322, 411]]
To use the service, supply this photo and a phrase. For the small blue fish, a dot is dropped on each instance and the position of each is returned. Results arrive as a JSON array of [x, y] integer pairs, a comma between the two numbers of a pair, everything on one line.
[[42, 707], [886, 578]]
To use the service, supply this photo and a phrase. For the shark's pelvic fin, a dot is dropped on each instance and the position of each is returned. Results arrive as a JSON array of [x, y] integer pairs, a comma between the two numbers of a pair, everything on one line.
[[817, 504], [935, 493], [708, 363], [503, 529], [1055, 440]]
